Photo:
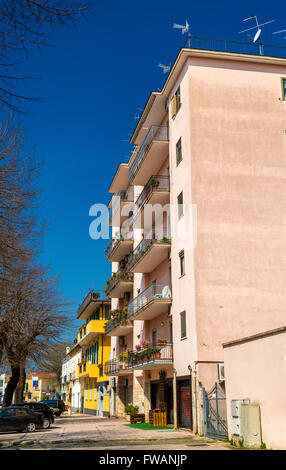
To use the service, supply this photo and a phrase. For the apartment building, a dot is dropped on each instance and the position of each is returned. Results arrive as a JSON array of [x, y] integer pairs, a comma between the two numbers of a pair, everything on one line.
[[210, 148], [70, 388], [4, 379], [95, 349], [41, 386]]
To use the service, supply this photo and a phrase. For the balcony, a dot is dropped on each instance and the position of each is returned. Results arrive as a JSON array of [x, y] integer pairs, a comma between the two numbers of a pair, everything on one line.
[[151, 155], [120, 246], [148, 254], [90, 331], [151, 357], [88, 305], [151, 303], [117, 367], [120, 282], [119, 324], [156, 191], [120, 206]]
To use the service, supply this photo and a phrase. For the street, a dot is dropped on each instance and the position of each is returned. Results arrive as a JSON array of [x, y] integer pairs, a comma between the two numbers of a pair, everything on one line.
[[83, 432]]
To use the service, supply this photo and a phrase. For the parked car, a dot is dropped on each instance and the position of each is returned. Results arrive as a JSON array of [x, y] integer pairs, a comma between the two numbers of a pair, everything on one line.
[[57, 405], [20, 419], [39, 408]]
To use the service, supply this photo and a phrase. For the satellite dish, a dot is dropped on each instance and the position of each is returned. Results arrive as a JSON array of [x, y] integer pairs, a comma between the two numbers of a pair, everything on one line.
[[257, 35]]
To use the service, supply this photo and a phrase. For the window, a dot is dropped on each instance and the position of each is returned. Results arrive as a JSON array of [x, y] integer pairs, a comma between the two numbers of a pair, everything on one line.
[[182, 263], [283, 85], [176, 103], [180, 205], [90, 391], [179, 157], [183, 325]]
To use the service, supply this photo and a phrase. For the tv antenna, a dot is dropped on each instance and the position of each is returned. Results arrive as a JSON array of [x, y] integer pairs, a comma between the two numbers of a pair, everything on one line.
[[281, 31], [257, 37], [185, 29], [166, 68]]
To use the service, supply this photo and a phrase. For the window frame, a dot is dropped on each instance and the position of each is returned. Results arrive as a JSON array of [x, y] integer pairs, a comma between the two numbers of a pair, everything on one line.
[[180, 205], [179, 151], [283, 88], [185, 321], [182, 263]]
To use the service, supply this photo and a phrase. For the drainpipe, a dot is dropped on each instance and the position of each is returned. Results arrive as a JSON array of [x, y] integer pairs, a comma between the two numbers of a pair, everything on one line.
[[191, 395], [175, 398]]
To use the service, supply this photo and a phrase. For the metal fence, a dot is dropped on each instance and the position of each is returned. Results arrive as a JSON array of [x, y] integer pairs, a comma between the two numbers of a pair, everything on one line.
[[91, 296], [155, 133], [145, 245], [155, 183], [114, 322], [239, 47], [152, 293]]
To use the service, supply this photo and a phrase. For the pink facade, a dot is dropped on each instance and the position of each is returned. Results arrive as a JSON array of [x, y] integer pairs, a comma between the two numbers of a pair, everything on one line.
[[231, 124], [255, 369]]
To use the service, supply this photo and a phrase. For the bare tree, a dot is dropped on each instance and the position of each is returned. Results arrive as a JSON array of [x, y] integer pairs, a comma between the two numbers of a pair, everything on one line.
[[20, 231], [38, 316], [24, 24], [51, 359]]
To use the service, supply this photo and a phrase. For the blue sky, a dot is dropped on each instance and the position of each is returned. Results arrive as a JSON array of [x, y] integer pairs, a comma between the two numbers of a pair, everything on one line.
[[91, 85]]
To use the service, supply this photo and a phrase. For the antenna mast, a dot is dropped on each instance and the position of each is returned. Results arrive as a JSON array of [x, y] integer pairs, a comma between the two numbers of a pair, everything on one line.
[[258, 32], [185, 29]]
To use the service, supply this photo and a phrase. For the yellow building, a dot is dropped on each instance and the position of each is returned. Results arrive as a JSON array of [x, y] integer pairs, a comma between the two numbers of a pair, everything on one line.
[[95, 347], [41, 386]]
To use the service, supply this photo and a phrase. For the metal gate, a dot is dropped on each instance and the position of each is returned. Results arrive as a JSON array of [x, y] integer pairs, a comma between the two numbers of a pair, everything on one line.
[[215, 421]]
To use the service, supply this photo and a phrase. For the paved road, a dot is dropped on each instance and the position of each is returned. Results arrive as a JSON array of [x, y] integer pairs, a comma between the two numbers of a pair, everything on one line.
[[90, 432]]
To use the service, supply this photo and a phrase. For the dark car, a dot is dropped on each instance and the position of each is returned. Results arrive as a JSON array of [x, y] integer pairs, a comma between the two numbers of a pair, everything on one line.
[[57, 405], [39, 408], [20, 419]]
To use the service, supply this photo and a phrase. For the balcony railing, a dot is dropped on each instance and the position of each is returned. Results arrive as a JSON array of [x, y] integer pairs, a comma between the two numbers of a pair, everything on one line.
[[116, 366], [151, 356], [91, 296], [160, 133], [118, 318], [116, 278], [121, 196], [111, 247], [144, 246], [153, 293], [155, 183]]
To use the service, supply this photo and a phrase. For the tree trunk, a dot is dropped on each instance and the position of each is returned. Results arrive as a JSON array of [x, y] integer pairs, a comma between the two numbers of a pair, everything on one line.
[[18, 398], [11, 385]]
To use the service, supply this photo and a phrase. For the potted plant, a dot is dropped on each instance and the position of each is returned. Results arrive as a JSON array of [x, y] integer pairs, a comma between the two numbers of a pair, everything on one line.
[[155, 183], [162, 342]]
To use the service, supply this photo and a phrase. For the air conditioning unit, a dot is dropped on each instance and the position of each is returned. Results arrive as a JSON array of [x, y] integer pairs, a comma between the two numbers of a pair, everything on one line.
[[220, 372]]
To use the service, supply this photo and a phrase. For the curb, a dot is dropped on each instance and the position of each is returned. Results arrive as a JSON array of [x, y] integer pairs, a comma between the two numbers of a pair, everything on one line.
[[6, 444]]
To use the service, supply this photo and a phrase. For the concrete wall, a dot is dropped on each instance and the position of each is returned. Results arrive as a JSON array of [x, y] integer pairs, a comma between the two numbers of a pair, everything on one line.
[[255, 369]]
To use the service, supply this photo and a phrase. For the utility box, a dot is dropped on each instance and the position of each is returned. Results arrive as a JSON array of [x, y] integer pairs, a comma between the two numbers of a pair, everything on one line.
[[250, 424], [235, 417]]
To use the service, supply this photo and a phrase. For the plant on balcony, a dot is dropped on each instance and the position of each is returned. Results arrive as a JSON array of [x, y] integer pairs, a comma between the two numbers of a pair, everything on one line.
[[138, 347], [165, 240], [155, 183], [162, 341], [145, 344]]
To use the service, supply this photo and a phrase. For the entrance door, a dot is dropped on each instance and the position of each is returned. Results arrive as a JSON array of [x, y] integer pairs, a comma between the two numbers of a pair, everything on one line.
[[100, 406], [215, 423], [184, 403]]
